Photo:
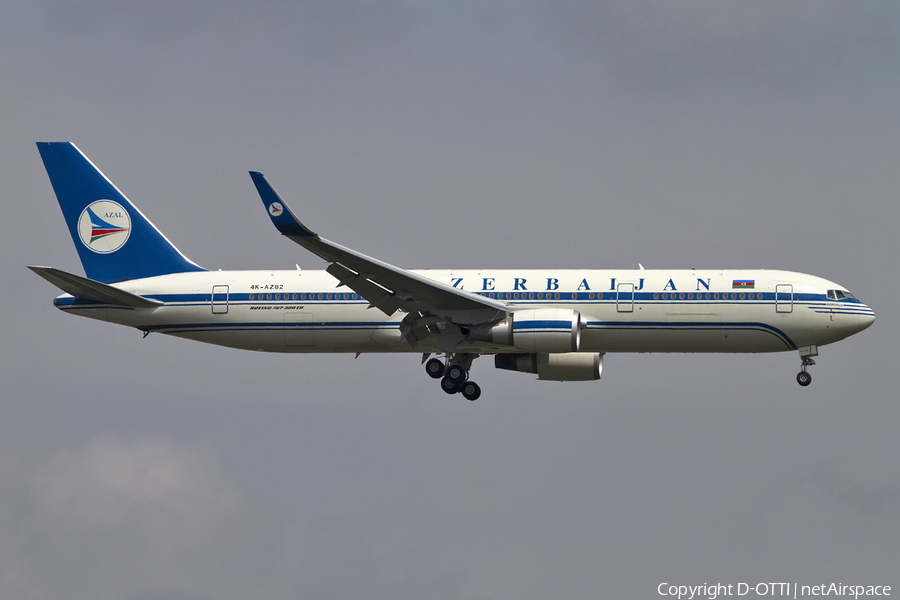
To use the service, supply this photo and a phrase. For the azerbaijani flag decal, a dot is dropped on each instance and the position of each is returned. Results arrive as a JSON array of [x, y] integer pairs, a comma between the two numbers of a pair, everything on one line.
[[742, 284]]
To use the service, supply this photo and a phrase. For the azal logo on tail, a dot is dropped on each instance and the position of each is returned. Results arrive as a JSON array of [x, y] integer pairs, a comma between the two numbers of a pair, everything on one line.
[[104, 226]]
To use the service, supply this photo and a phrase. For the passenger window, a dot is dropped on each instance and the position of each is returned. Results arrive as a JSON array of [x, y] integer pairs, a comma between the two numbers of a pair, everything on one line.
[[252, 296]]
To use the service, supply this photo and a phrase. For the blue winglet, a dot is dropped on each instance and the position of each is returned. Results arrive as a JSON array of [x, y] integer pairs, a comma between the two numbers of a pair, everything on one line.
[[281, 215]]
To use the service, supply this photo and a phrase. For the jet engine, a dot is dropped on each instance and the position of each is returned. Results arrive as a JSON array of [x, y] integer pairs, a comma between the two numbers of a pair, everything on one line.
[[540, 330], [568, 366]]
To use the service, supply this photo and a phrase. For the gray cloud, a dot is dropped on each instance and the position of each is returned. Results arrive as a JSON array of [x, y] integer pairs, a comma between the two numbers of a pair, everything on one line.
[[153, 518], [127, 519]]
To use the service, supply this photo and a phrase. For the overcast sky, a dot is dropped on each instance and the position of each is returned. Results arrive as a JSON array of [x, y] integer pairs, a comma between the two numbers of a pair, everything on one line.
[[466, 134]]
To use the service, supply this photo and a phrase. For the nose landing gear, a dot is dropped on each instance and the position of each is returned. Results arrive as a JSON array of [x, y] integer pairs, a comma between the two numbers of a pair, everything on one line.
[[455, 375], [806, 353]]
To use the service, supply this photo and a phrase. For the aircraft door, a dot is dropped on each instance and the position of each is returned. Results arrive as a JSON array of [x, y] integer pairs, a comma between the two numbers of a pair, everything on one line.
[[219, 299], [625, 297], [784, 298]]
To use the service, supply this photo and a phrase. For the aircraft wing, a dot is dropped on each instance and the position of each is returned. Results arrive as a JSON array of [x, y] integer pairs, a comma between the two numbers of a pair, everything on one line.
[[88, 289], [385, 286]]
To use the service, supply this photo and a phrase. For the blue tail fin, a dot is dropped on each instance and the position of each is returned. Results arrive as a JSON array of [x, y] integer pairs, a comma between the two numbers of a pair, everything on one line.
[[114, 240]]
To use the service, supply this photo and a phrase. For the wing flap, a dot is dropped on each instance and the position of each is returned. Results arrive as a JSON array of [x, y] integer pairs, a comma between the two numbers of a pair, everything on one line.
[[378, 296], [88, 289]]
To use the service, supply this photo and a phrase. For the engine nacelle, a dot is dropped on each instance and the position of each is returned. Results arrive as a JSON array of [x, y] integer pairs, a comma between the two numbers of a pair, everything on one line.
[[569, 366], [540, 330]]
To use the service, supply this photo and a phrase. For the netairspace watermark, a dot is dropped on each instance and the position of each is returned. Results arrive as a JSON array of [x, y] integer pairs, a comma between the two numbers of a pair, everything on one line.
[[712, 591]]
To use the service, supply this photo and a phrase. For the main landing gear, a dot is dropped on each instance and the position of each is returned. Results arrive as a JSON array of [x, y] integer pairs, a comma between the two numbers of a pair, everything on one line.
[[454, 375], [806, 361]]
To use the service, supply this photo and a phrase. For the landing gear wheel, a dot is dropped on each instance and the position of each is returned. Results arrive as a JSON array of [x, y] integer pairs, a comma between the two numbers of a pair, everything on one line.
[[471, 391], [804, 378], [456, 373], [434, 368], [449, 386]]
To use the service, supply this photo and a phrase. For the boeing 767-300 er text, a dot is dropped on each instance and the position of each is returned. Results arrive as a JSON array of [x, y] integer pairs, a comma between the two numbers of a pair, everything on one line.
[[557, 324]]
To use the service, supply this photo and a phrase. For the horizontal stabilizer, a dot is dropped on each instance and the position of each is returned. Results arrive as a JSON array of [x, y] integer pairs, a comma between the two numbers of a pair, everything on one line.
[[88, 289]]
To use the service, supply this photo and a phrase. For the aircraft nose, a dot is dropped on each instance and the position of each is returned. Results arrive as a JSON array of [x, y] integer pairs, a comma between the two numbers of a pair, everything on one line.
[[866, 317]]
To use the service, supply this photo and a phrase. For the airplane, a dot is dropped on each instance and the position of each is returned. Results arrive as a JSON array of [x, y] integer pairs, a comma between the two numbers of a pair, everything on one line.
[[557, 324]]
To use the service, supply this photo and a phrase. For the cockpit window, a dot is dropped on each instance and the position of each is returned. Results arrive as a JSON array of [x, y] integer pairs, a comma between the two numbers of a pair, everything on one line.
[[840, 295]]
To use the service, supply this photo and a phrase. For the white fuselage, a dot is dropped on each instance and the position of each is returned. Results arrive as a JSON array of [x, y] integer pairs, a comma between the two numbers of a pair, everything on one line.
[[622, 310]]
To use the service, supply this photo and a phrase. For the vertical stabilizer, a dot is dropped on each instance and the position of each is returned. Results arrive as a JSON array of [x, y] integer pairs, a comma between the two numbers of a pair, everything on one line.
[[115, 241]]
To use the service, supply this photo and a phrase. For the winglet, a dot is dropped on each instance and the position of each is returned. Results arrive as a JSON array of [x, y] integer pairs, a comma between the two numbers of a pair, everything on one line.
[[282, 217]]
